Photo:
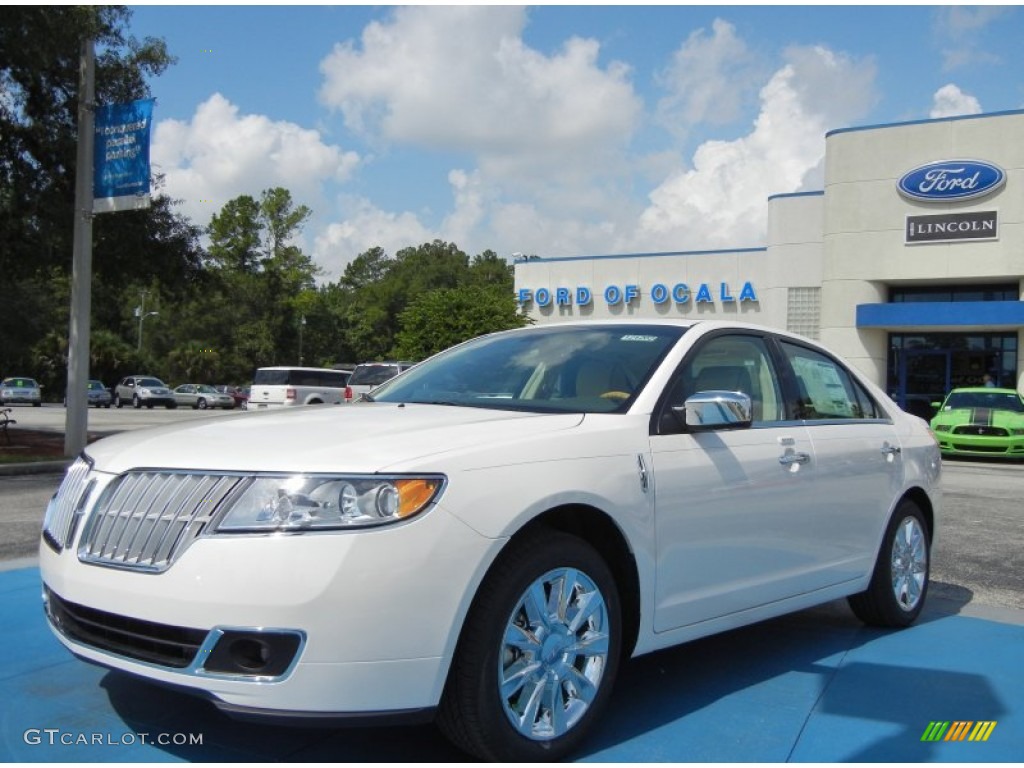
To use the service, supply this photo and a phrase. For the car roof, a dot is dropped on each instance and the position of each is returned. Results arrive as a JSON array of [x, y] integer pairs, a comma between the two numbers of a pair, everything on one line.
[[994, 390]]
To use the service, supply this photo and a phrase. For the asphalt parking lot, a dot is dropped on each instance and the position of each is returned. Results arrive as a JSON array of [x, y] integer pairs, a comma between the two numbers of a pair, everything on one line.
[[813, 687]]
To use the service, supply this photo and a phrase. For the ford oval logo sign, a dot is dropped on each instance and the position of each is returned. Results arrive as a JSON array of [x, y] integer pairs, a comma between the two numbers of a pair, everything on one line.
[[951, 180]]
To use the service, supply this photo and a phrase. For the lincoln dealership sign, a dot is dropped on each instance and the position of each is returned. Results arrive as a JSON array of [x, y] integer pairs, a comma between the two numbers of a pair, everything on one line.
[[950, 181], [946, 227]]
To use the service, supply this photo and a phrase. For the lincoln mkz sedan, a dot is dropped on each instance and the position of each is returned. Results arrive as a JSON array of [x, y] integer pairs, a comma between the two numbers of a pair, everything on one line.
[[489, 536]]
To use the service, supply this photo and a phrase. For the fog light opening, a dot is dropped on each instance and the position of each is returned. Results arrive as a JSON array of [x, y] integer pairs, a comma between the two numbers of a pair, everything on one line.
[[250, 654]]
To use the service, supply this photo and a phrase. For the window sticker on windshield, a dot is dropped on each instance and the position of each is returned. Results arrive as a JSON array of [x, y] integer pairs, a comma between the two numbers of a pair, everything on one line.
[[634, 337]]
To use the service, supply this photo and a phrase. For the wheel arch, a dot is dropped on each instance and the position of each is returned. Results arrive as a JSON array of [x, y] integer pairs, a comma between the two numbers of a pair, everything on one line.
[[595, 527], [924, 503]]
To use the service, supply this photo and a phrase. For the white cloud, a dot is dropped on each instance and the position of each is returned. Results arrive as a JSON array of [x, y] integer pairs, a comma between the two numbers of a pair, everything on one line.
[[546, 135], [961, 29], [708, 80], [721, 201], [460, 78], [950, 101], [365, 226], [220, 154]]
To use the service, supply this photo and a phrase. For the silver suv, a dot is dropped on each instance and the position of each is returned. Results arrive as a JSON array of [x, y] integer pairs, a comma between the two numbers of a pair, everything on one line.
[[143, 391], [368, 376]]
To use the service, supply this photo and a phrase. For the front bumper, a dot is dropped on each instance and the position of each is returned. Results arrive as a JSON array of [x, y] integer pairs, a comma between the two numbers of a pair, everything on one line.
[[378, 613], [16, 398], [981, 445]]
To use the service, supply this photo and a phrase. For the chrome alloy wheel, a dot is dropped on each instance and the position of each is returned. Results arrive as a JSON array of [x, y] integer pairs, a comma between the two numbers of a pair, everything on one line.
[[554, 654], [909, 563]]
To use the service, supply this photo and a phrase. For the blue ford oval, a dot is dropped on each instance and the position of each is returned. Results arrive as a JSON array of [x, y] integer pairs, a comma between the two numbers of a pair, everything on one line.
[[949, 180]]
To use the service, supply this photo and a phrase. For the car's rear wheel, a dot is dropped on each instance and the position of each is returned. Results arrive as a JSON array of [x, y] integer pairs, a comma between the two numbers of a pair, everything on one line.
[[899, 584], [117, 401], [136, 402], [538, 654]]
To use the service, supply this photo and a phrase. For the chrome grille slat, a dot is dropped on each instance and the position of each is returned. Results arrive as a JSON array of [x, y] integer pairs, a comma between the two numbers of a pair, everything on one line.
[[60, 512], [146, 519]]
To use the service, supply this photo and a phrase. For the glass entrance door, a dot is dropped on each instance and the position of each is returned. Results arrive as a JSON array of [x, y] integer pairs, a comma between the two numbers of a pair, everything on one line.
[[924, 379]]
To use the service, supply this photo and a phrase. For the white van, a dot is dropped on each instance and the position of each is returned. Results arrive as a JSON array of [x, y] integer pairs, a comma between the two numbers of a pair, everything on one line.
[[283, 385]]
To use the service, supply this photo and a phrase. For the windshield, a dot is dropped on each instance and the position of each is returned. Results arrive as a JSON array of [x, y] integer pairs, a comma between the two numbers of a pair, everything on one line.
[[207, 389], [26, 383], [95, 385], [373, 375], [151, 383], [1003, 401], [574, 369]]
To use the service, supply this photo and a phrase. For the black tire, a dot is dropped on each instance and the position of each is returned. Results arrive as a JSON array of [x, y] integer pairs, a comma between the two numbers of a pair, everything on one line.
[[107, 405], [136, 403], [201, 404], [473, 714], [117, 401], [171, 406], [899, 584], [37, 405]]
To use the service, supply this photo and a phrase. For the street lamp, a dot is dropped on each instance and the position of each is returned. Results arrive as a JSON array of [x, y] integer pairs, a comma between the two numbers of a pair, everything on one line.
[[302, 324], [139, 313]]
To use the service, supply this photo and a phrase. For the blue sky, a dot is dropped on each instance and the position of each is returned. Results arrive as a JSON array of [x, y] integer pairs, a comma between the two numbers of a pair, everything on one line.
[[553, 130]]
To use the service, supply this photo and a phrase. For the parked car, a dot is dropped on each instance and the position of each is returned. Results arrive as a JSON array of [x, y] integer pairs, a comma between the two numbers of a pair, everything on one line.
[[283, 386], [143, 391], [981, 421], [239, 394], [202, 396], [367, 376], [96, 394], [490, 536], [21, 389]]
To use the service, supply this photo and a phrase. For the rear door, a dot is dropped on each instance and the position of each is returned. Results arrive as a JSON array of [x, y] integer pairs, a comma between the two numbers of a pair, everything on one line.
[[859, 463]]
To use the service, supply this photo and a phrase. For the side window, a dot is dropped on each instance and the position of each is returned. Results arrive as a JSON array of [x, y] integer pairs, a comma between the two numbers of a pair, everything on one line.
[[736, 363], [826, 389]]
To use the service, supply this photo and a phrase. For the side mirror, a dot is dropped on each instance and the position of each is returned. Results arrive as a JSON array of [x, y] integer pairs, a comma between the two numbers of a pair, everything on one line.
[[936, 405], [718, 409]]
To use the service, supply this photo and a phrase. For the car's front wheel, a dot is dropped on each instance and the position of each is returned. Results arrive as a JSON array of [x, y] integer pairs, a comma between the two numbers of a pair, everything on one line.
[[899, 584], [538, 654], [136, 402], [201, 404], [117, 401]]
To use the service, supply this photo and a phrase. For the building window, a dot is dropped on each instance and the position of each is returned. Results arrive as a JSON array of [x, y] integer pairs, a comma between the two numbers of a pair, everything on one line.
[[803, 314], [1007, 292]]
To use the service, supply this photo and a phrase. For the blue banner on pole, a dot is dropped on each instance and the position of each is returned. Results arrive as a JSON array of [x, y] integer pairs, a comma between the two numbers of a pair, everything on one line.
[[121, 167]]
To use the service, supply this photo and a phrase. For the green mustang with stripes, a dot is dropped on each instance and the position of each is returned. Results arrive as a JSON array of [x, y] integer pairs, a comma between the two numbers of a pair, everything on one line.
[[981, 421]]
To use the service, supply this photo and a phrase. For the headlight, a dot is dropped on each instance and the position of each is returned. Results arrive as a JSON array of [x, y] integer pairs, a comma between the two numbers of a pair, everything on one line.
[[942, 427], [299, 502], [1017, 431]]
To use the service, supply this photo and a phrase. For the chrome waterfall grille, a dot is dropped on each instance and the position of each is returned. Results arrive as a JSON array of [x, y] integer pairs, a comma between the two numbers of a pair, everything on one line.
[[60, 512], [145, 520]]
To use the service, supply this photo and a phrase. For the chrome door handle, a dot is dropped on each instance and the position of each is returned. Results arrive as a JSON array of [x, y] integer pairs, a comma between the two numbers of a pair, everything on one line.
[[794, 458], [889, 449]]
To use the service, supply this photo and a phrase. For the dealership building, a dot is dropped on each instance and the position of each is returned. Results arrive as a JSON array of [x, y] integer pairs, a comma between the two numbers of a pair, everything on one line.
[[910, 262]]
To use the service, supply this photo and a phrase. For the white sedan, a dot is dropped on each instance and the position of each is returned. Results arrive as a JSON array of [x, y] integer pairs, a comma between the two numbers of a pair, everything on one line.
[[202, 396], [488, 538]]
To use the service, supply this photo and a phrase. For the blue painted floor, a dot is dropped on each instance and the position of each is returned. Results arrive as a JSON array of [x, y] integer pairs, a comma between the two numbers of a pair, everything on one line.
[[813, 687]]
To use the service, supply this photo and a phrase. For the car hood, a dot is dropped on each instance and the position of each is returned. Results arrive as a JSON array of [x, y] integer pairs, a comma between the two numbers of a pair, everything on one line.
[[369, 437], [978, 417]]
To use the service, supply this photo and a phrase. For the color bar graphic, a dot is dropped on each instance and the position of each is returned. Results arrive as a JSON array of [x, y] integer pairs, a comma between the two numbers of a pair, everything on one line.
[[958, 730]]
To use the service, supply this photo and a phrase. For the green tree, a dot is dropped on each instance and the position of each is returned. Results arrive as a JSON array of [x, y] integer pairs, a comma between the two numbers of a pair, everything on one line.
[[447, 316], [39, 62]]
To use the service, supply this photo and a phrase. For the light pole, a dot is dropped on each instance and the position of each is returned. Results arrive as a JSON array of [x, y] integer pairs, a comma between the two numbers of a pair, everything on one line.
[[139, 313], [302, 324]]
